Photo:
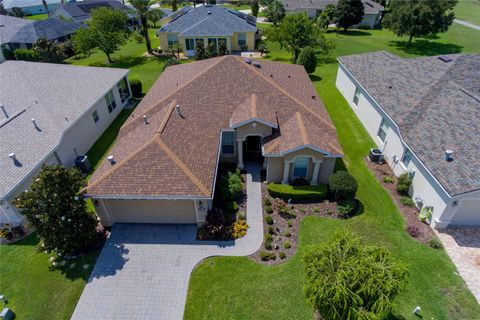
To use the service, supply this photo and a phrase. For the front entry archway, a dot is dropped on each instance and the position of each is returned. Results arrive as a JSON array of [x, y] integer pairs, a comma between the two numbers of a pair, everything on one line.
[[252, 147]]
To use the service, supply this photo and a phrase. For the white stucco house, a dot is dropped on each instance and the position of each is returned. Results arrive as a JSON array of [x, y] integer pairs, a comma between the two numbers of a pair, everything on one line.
[[50, 114], [424, 113]]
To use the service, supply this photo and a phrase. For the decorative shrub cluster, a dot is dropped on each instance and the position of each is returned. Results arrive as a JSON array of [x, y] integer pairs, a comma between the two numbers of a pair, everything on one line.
[[407, 201], [266, 256], [231, 186], [343, 185], [287, 245], [435, 243], [239, 229], [214, 227], [346, 207], [403, 184], [297, 193], [388, 179], [282, 255], [414, 231], [136, 87], [268, 241], [269, 220], [269, 209]]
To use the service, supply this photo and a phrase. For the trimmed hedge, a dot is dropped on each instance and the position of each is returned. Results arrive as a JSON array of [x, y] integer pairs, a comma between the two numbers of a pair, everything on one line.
[[286, 192], [136, 87]]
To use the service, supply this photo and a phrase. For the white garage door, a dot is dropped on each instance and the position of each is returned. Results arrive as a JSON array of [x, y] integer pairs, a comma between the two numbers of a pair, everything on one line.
[[467, 214], [152, 211]]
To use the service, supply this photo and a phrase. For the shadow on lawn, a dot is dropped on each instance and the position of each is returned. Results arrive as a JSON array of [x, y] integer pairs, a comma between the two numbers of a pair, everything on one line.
[[127, 62], [426, 47], [353, 33]]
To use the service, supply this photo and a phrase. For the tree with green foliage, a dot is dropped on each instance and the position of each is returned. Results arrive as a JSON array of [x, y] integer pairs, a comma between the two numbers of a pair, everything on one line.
[[107, 31], [419, 18], [349, 13], [327, 16], [211, 50], [275, 12], [255, 7], [174, 4], [200, 53], [155, 16], [170, 62], [49, 51], [222, 48], [56, 211], [296, 32], [343, 185], [142, 7], [308, 59], [347, 279], [323, 21]]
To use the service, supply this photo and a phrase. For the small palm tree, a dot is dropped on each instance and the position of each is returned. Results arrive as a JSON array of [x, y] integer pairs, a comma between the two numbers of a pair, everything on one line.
[[142, 7], [173, 3]]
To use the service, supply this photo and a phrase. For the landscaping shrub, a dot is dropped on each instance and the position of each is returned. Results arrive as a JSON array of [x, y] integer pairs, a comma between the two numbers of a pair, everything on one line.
[[267, 201], [266, 256], [170, 62], [297, 193], [316, 209], [268, 241], [287, 245], [403, 184], [307, 59], [18, 231], [214, 227], [239, 229], [302, 210], [241, 215], [288, 234], [269, 220], [271, 230], [136, 87], [388, 179], [6, 234], [138, 37], [269, 210], [407, 201], [343, 185], [231, 185], [414, 231], [289, 223], [26, 55], [435, 243], [282, 255], [230, 206], [279, 205], [346, 207]]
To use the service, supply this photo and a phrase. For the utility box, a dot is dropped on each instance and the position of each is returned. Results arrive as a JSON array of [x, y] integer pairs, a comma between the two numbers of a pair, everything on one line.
[[6, 314], [82, 163], [376, 155]]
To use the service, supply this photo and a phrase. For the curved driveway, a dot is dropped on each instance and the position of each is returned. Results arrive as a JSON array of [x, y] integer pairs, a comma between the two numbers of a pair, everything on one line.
[[144, 269]]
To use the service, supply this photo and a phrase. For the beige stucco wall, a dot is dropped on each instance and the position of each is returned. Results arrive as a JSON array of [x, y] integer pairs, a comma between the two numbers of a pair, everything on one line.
[[111, 211], [250, 41], [326, 170], [274, 169], [249, 129], [162, 37]]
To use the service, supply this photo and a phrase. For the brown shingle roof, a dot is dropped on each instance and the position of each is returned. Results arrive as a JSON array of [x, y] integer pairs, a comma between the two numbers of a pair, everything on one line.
[[176, 153]]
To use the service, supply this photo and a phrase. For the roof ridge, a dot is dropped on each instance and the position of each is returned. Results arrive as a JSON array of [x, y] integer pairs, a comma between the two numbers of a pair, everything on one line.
[[273, 145], [166, 117], [330, 125], [174, 92], [303, 130], [193, 25], [182, 166]]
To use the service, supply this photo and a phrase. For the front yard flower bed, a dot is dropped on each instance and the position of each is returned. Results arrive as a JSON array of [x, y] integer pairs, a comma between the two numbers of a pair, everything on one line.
[[297, 193]]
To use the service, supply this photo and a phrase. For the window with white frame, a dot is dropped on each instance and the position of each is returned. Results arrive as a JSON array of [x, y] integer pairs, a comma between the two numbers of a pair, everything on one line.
[[172, 39], [95, 116], [382, 130], [242, 39], [300, 167], [356, 96], [228, 142], [123, 90], [406, 158], [110, 100]]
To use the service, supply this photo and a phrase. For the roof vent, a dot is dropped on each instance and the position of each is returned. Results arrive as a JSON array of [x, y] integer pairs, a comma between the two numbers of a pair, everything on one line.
[[445, 58], [178, 112], [12, 156], [257, 64], [449, 155], [209, 12], [145, 119], [3, 109], [249, 61], [313, 97], [111, 159], [35, 124]]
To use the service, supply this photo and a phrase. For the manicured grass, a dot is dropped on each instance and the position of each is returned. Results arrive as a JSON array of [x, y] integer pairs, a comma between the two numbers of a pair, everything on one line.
[[236, 287], [38, 17], [234, 7], [32, 290], [468, 10], [278, 190]]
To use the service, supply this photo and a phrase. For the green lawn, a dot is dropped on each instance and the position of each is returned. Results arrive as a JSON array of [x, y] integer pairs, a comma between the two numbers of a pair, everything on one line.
[[38, 17], [234, 7], [236, 287], [468, 10], [35, 292]]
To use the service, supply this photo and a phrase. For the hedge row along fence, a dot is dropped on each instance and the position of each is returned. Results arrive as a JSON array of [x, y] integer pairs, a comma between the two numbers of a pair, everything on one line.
[[298, 193]]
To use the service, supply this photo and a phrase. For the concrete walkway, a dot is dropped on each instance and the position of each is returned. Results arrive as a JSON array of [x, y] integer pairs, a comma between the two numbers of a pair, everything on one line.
[[144, 269], [467, 24], [463, 247]]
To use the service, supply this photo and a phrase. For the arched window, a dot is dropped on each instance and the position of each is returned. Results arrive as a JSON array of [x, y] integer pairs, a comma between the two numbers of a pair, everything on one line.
[[300, 167]]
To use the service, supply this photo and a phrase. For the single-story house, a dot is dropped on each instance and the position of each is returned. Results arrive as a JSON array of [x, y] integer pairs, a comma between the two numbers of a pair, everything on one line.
[[31, 7], [209, 24], [424, 114], [371, 17], [163, 166], [50, 114], [18, 33], [80, 11]]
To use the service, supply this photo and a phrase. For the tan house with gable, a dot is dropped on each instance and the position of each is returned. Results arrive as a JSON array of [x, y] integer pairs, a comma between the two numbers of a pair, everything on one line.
[[163, 166]]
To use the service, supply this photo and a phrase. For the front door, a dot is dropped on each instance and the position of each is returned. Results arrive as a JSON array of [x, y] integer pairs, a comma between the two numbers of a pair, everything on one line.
[[253, 148]]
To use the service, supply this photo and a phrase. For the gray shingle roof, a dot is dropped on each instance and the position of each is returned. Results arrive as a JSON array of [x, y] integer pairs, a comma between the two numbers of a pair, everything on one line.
[[436, 105], [370, 7], [210, 20], [16, 30], [55, 95], [8, 4], [80, 11]]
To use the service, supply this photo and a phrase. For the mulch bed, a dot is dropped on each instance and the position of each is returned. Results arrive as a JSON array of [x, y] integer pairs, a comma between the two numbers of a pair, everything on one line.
[[410, 213], [325, 209]]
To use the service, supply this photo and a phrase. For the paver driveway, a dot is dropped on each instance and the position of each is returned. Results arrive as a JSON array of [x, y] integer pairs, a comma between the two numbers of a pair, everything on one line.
[[144, 269]]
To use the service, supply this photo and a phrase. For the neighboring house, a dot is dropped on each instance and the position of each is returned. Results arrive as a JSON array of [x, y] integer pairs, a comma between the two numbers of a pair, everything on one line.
[[209, 24], [424, 113], [163, 167], [372, 10], [50, 114], [18, 33], [31, 7], [81, 11]]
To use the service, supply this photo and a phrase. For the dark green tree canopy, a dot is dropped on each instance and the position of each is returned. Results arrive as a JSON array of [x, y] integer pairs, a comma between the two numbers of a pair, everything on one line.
[[275, 11], [56, 211], [343, 185], [142, 7], [349, 280], [255, 7], [308, 59], [418, 18], [348, 13]]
